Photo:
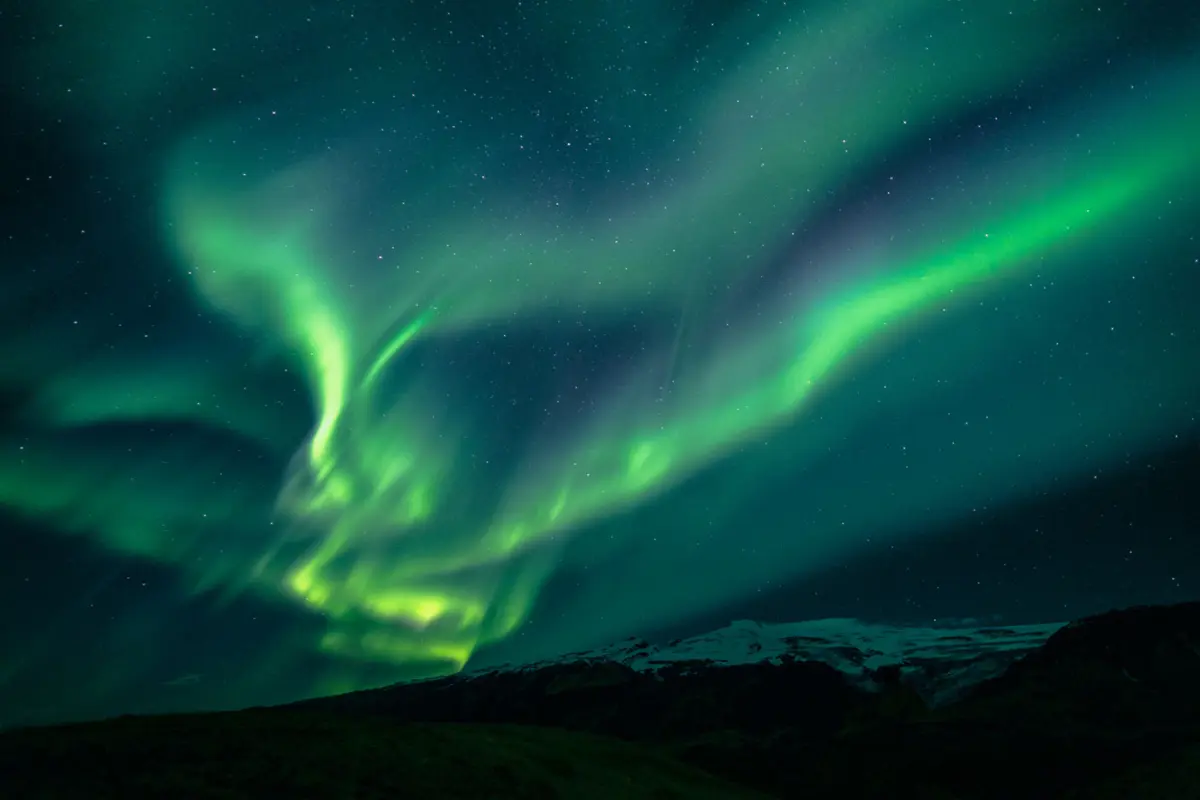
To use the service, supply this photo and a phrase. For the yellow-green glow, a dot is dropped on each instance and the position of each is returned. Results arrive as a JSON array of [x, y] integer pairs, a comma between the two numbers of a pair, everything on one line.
[[425, 360], [395, 546]]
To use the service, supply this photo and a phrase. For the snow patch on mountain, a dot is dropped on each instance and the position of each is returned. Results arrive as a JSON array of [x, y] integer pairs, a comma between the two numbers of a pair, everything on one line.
[[939, 662]]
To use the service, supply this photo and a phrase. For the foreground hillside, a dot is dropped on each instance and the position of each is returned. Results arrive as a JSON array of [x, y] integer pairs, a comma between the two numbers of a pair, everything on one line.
[[252, 754], [1103, 708]]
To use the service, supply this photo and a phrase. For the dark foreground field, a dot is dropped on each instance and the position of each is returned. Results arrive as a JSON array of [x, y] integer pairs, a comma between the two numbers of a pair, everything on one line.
[[1107, 709], [257, 754]]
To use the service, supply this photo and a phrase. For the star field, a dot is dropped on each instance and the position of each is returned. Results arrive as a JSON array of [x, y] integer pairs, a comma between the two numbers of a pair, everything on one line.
[[360, 342]]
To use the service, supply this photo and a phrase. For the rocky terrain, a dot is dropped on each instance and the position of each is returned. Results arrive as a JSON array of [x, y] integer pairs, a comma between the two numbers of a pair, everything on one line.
[[1105, 707]]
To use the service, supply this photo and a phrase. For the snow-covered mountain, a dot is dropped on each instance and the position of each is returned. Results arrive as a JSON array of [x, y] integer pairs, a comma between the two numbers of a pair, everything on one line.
[[939, 662]]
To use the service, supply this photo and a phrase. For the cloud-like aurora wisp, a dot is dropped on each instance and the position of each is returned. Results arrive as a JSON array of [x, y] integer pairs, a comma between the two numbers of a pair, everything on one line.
[[401, 572]]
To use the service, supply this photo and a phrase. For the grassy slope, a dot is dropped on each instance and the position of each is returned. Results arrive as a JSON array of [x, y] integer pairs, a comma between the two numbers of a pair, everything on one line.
[[303, 756]]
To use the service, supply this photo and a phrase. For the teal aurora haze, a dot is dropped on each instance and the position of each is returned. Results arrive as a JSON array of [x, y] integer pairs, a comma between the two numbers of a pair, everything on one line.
[[458, 301]]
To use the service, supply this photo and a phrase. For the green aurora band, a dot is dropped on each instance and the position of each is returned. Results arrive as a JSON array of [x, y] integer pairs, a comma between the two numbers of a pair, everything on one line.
[[375, 529], [366, 477]]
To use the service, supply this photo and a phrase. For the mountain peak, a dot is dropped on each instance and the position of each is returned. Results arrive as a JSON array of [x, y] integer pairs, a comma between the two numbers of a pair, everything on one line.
[[940, 662]]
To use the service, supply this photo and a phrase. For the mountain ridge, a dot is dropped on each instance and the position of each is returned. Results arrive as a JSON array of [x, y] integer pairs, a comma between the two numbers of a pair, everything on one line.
[[939, 661], [1103, 708]]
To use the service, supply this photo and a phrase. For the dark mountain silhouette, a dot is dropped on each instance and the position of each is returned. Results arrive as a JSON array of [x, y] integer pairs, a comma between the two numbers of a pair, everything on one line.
[[1106, 707]]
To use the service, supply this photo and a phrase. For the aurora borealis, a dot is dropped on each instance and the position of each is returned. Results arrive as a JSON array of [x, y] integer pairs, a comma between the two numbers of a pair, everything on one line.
[[433, 334]]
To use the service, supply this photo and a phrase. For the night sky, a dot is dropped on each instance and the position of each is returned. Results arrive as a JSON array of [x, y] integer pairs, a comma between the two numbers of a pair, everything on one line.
[[343, 343]]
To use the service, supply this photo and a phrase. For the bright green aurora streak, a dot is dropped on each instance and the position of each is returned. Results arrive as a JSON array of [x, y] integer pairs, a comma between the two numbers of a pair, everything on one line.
[[366, 478], [363, 253]]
